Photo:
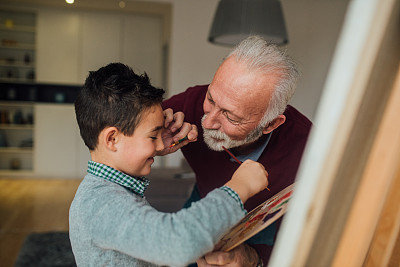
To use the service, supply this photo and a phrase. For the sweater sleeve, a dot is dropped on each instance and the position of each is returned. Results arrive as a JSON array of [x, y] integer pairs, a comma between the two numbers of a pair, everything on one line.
[[119, 221], [175, 102]]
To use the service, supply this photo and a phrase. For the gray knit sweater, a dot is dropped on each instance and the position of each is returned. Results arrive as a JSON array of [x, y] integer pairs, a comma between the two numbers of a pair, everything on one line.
[[111, 226]]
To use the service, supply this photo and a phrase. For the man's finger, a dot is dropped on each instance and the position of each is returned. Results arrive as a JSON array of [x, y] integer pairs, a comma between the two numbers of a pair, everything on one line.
[[201, 262], [177, 122], [168, 117], [218, 258], [193, 134]]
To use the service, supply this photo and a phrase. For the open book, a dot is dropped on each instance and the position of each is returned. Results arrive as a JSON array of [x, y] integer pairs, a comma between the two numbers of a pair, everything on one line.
[[256, 220]]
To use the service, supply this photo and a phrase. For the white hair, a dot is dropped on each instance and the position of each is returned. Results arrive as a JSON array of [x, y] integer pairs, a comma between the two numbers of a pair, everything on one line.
[[210, 134], [260, 55]]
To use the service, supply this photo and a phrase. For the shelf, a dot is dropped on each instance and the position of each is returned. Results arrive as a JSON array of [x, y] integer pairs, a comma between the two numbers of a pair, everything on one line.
[[19, 64], [6, 103], [20, 46], [2, 79], [16, 126], [16, 149], [17, 46], [9, 172], [19, 28]]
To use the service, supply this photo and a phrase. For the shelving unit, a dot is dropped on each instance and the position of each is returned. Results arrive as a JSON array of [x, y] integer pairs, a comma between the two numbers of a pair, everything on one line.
[[16, 137], [17, 46]]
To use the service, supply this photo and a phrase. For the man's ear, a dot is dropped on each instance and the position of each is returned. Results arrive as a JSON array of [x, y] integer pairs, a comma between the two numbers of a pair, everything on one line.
[[110, 138], [278, 121]]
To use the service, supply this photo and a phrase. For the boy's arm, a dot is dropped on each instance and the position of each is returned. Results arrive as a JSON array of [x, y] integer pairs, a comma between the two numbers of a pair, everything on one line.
[[115, 219], [140, 231]]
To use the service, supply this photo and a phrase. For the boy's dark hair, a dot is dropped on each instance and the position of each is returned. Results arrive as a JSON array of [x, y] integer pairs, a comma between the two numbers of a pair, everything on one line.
[[113, 96]]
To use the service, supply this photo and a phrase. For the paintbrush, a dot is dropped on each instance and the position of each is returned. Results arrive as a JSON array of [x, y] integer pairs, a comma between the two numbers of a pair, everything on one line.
[[178, 142], [237, 160]]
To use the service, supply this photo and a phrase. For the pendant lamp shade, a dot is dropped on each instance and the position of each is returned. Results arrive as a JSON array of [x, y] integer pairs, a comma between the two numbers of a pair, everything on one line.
[[235, 20]]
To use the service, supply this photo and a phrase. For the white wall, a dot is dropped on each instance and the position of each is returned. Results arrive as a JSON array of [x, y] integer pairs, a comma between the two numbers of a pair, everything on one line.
[[58, 146], [70, 44], [193, 59], [313, 27]]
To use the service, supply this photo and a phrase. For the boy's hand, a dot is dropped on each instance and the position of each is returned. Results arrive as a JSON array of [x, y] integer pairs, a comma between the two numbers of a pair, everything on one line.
[[249, 179], [175, 129]]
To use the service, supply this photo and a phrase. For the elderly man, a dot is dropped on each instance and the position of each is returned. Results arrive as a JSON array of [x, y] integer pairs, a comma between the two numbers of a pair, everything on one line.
[[245, 109]]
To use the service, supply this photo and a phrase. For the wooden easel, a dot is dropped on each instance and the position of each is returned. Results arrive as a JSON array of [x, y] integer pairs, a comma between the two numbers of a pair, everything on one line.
[[345, 210]]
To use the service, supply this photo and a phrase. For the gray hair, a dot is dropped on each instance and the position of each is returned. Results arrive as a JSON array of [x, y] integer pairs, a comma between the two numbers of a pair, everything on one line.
[[260, 55]]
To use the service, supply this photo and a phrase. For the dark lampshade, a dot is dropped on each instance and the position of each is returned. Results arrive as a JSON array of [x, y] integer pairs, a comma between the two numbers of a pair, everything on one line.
[[235, 20]]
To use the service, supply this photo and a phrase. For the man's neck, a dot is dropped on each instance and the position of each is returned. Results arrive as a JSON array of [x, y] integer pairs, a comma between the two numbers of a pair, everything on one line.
[[248, 148]]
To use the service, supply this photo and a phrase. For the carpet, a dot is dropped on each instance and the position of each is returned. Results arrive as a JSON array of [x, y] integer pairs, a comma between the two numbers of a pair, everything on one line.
[[51, 249]]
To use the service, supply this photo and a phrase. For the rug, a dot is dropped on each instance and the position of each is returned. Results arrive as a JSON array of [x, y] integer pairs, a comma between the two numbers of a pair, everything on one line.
[[51, 249]]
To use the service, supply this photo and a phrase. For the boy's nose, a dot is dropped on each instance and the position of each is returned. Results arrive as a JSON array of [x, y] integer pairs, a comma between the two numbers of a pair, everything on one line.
[[159, 144]]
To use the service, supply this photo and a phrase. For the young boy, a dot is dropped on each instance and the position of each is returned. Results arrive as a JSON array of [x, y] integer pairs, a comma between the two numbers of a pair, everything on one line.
[[111, 224]]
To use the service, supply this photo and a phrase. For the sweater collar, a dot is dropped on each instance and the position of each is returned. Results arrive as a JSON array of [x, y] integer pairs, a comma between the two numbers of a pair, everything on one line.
[[256, 154]]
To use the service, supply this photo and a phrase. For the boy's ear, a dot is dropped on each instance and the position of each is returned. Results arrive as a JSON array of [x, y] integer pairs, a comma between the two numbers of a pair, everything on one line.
[[110, 138], [278, 121]]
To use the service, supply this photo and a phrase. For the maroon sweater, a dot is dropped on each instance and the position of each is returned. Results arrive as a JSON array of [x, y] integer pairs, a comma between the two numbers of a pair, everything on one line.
[[213, 169]]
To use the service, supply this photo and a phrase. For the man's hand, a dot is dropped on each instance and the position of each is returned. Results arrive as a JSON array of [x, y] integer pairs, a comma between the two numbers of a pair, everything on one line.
[[241, 256], [175, 129]]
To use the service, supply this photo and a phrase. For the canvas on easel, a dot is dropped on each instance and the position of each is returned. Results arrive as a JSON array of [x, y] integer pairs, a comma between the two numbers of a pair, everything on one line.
[[256, 220]]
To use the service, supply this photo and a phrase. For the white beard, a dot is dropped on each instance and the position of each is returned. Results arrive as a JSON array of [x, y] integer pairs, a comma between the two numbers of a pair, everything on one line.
[[225, 140]]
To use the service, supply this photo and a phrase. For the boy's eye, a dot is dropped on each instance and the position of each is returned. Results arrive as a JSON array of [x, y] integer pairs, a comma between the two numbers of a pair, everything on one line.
[[153, 137]]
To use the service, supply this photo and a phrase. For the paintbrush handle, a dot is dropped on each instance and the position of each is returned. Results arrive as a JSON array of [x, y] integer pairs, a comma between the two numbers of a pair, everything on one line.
[[179, 141]]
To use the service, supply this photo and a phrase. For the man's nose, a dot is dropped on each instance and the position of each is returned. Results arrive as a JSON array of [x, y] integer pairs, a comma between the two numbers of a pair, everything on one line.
[[211, 121]]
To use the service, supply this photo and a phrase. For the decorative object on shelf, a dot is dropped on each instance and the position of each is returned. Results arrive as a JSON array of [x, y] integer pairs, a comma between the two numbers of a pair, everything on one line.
[[10, 60], [18, 117], [9, 23], [30, 75], [30, 91], [11, 113], [9, 42], [4, 117], [29, 118], [16, 130], [26, 143], [235, 20], [12, 73], [15, 164], [17, 45], [11, 93], [59, 97], [3, 140], [27, 58]]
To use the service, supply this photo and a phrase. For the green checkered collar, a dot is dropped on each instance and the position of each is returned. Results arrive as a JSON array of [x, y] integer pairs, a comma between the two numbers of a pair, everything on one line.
[[135, 184]]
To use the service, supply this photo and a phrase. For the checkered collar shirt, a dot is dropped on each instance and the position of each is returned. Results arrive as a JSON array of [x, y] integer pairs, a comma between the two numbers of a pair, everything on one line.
[[135, 184]]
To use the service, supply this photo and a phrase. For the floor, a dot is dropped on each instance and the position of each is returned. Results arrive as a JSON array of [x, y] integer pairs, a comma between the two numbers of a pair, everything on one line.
[[31, 205], [42, 205]]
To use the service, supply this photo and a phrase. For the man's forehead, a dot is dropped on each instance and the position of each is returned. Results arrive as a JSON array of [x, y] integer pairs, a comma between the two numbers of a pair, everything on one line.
[[245, 106], [241, 94]]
